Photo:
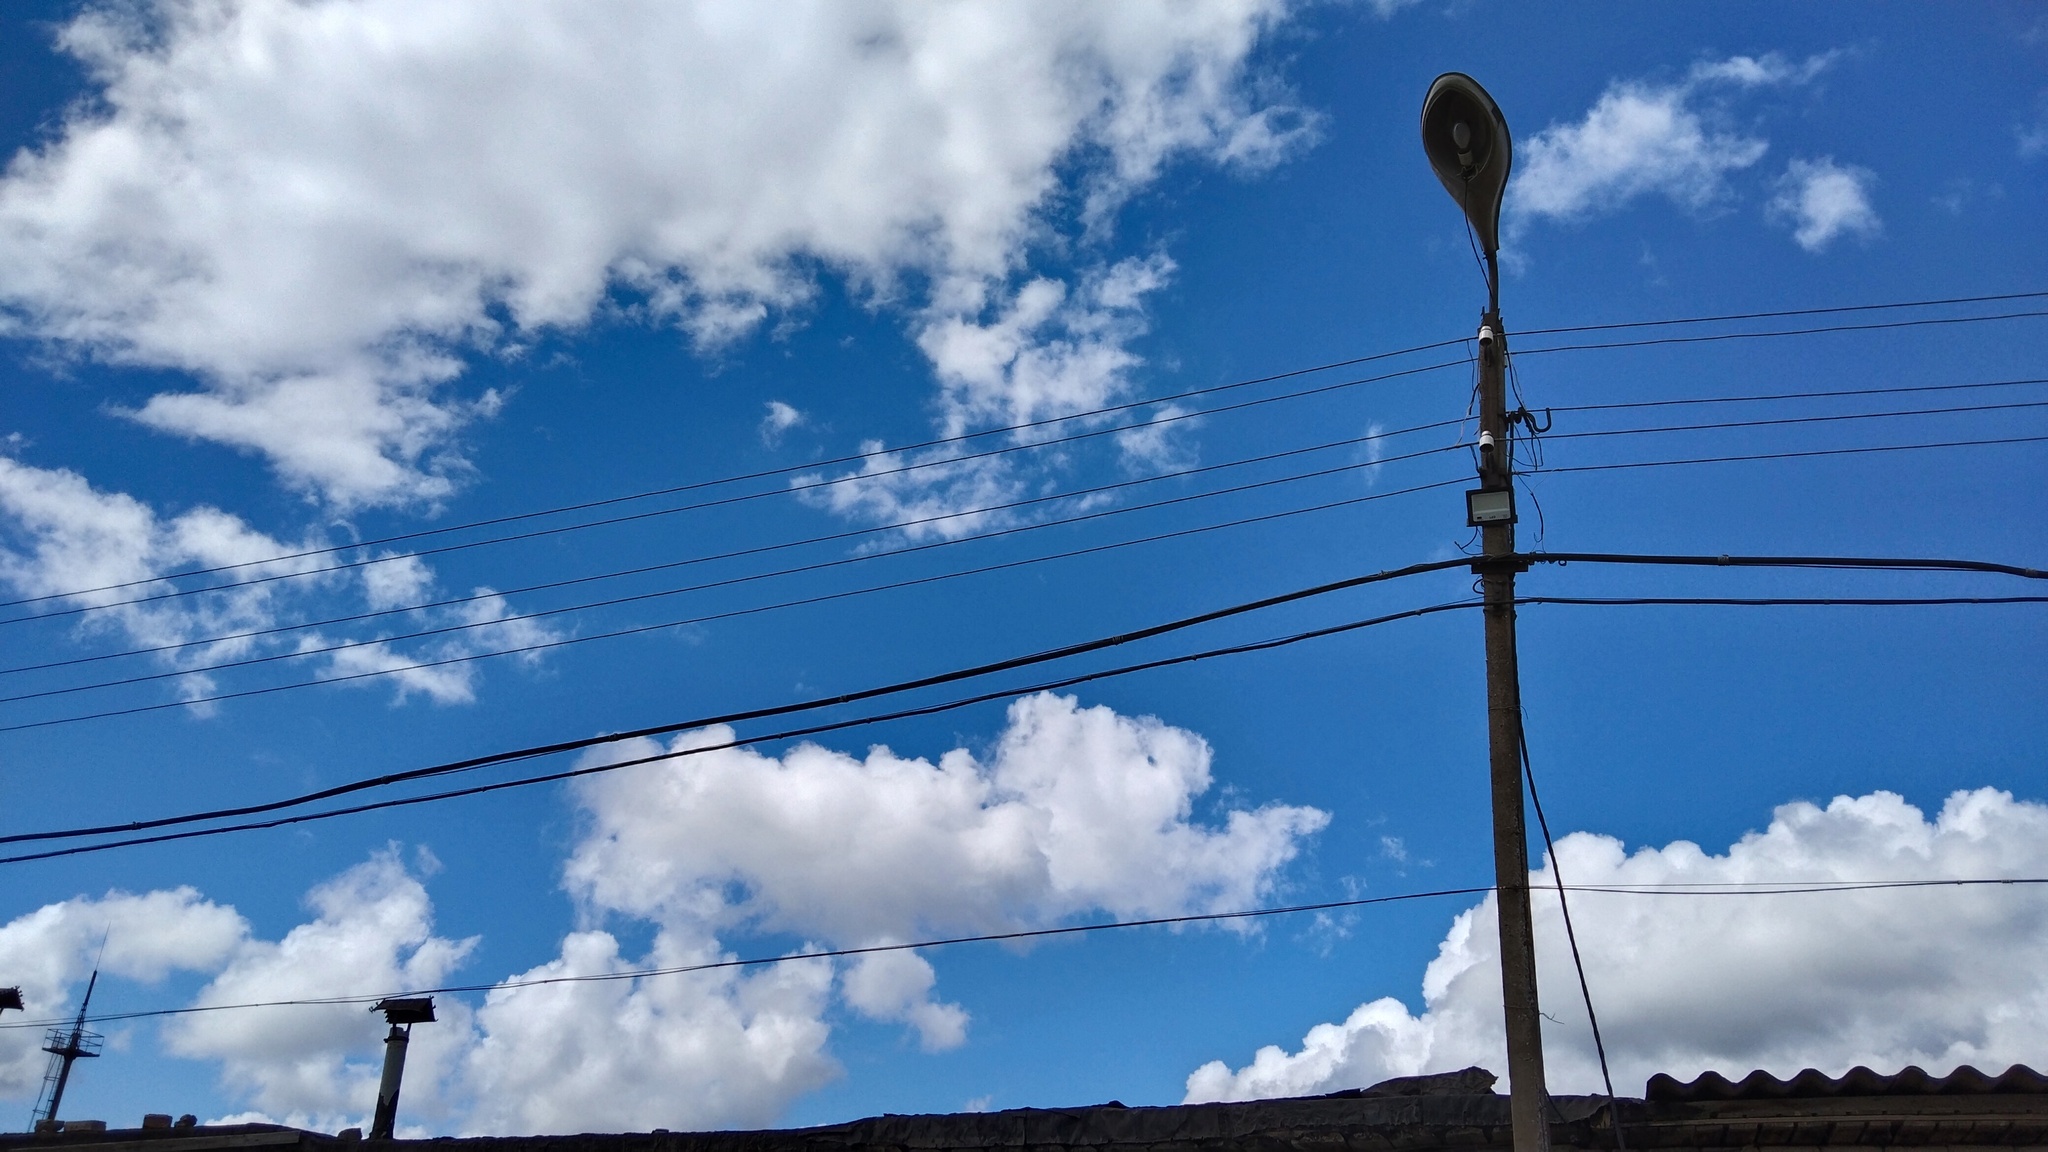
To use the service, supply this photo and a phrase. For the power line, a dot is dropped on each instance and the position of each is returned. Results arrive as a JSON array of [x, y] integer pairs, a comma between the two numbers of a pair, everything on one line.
[[1090, 414], [699, 506], [1796, 395], [915, 522], [477, 625], [1880, 448], [812, 704], [1571, 934], [638, 629], [1836, 310], [1756, 888], [826, 597], [1922, 564], [1718, 336], [1775, 421], [855, 533], [787, 734]]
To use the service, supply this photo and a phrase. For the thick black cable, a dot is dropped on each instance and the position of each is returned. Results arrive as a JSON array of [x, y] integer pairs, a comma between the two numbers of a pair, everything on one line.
[[738, 742], [1781, 601], [462, 766], [820, 598], [1571, 934], [1858, 563], [855, 478], [1754, 888], [849, 534], [812, 704]]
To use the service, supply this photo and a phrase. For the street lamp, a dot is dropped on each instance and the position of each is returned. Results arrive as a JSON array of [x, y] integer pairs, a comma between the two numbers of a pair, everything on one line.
[[1466, 139], [1468, 145]]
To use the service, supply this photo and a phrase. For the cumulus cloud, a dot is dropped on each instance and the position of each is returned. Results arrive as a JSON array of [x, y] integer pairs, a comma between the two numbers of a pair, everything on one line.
[[85, 548], [1823, 200], [1075, 809], [1072, 810], [317, 1066], [51, 951], [1648, 138], [317, 210], [1937, 977]]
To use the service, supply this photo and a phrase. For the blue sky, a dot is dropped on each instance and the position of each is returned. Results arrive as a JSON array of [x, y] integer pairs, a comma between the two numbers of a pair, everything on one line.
[[278, 277]]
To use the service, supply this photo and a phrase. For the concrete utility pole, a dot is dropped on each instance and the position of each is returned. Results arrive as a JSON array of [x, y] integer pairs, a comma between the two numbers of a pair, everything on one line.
[[401, 1012], [1468, 144]]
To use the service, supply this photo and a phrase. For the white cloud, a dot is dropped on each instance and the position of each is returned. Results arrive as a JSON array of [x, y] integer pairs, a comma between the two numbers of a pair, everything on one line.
[[317, 1066], [1073, 810], [697, 1051], [317, 209], [781, 418], [1044, 351], [1642, 138], [1823, 200], [2032, 137], [1936, 977], [97, 550], [51, 951]]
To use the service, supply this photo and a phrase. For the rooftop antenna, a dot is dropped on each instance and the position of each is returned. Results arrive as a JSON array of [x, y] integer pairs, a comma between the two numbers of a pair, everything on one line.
[[66, 1046]]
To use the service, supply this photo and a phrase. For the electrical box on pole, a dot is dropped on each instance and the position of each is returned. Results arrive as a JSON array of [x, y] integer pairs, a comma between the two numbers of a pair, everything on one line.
[[1467, 141]]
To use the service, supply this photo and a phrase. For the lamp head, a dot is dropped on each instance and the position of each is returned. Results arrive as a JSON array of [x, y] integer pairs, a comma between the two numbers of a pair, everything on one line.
[[1467, 140]]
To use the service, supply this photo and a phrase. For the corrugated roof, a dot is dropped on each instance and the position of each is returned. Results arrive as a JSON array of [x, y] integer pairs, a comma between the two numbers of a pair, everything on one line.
[[1857, 1081]]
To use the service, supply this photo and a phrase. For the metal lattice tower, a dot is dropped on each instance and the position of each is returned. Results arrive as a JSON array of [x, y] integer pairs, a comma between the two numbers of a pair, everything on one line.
[[65, 1046]]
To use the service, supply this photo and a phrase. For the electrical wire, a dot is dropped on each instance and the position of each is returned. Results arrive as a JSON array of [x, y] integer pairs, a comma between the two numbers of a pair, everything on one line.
[[854, 478], [1786, 313], [1798, 455], [498, 622], [1090, 414], [787, 734], [820, 598], [1918, 564], [1571, 934], [1719, 336], [1758, 888], [850, 534], [973, 672]]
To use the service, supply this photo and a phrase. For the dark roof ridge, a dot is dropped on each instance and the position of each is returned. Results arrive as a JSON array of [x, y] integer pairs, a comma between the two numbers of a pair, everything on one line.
[[1911, 1080]]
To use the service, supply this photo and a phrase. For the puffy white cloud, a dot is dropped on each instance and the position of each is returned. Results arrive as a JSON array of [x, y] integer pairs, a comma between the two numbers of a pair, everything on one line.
[[1075, 809], [700, 1050], [1937, 977], [1642, 138], [90, 549], [318, 208], [1823, 200], [51, 951], [317, 1066]]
